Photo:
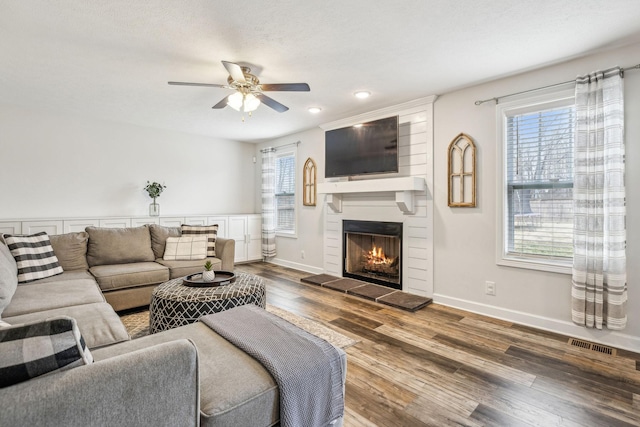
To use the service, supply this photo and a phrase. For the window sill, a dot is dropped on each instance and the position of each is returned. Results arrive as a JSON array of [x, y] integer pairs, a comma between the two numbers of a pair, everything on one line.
[[287, 234], [540, 265]]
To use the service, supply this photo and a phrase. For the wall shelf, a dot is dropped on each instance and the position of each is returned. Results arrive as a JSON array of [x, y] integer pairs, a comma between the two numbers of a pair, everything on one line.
[[403, 187]]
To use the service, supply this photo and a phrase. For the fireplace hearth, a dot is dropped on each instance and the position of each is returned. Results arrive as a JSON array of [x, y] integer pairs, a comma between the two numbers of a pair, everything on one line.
[[372, 252]]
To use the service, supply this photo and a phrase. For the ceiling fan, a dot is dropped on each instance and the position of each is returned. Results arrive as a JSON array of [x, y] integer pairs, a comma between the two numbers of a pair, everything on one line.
[[249, 91]]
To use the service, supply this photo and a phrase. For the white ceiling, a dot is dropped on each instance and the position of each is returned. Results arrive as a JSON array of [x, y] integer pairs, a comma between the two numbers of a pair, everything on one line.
[[111, 60]]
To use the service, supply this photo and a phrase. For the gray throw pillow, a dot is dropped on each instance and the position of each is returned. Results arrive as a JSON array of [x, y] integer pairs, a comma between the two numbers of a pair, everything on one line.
[[118, 245], [159, 235], [71, 250]]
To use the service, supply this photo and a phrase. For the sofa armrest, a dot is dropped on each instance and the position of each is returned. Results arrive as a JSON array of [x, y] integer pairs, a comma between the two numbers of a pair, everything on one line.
[[158, 385], [226, 252]]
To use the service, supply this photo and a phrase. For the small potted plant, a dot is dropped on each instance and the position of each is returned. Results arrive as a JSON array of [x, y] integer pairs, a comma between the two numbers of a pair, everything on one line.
[[154, 189], [208, 274]]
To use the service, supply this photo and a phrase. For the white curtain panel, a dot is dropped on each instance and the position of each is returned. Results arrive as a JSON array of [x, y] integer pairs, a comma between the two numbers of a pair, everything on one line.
[[599, 289], [268, 203]]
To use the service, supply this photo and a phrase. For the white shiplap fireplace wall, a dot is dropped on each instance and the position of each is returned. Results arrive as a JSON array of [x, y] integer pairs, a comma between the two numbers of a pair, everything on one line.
[[373, 204]]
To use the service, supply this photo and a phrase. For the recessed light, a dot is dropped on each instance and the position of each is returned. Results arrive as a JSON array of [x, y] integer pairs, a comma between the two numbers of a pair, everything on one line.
[[362, 94], [314, 110], [359, 125]]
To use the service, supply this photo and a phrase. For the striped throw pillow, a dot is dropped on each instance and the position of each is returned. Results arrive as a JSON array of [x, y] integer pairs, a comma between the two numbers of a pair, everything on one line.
[[185, 248], [34, 256], [37, 348], [211, 231]]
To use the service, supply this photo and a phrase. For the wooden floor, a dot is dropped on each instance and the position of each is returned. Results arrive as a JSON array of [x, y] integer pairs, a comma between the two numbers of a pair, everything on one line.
[[442, 366]]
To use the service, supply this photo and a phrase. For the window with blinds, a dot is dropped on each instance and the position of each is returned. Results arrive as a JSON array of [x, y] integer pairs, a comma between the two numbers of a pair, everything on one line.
[[286, 193], [538, 204]]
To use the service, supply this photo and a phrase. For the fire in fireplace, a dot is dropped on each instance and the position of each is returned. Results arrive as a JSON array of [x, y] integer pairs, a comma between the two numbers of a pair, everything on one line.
[[372, 251]]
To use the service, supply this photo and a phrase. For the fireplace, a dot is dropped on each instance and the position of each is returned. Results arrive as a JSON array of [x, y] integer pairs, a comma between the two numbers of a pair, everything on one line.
[[372, 251]]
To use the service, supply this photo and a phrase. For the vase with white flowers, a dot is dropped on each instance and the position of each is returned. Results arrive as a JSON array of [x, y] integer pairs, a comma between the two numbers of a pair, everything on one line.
[[208, 275], [154, 189]]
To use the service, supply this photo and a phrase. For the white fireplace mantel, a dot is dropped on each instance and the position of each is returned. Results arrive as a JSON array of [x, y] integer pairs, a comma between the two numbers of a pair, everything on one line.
[[403, 187]]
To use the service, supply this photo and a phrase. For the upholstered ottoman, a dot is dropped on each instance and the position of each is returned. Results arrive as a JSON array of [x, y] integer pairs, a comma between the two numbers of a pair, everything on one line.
[[174, 304]]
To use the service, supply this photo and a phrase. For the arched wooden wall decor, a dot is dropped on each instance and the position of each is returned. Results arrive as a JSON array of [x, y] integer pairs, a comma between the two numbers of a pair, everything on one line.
[[462, 172], [309, 183]]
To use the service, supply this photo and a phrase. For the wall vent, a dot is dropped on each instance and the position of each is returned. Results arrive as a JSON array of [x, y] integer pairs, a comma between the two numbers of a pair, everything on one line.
[[592, 346]]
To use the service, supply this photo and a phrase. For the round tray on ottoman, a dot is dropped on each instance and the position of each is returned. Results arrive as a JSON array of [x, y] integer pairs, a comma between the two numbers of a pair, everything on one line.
[[222, 278], [173, 304]]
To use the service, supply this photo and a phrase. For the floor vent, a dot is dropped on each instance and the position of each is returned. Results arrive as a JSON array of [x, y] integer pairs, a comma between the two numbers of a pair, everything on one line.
[[592, 346]]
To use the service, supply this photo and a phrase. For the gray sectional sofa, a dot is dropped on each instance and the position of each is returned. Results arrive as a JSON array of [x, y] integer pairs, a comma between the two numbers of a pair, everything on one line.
[[187, 376], [128, 262]]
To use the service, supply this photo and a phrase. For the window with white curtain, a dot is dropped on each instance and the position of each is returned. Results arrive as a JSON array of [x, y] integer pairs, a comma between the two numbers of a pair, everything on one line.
[[285, 194], [536, 182]]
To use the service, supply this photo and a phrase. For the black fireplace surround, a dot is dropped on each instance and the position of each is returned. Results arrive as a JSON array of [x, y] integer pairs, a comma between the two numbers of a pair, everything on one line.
[[372, 252]]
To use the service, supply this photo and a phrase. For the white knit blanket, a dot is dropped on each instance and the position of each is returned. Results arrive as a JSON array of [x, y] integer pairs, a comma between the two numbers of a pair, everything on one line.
[[307, 369]]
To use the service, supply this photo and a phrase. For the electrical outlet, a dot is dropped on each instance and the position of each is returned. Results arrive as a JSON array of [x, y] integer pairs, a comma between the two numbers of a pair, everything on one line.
[[302, 254], [490, 288]]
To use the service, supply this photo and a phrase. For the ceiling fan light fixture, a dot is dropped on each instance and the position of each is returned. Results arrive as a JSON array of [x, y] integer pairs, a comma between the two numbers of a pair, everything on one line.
[[314, 110], [235, 101], [362, 94], [251, 103]]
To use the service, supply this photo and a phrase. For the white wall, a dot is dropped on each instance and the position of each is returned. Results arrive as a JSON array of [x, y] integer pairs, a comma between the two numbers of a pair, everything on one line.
[[310, 218], [56, 165], [465, 239]]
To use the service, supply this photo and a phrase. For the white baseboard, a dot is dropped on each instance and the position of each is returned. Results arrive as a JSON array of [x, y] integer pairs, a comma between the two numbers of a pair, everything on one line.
[[296, 265], [616, 339]]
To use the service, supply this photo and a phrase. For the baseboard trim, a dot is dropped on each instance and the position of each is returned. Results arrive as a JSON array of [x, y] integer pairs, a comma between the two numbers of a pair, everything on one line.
[[297, 266], [612, 338]]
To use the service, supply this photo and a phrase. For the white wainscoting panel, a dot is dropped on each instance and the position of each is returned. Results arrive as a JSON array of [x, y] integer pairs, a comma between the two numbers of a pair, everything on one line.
[[49, 226], [75, 225], [10, 227], [246, 229], [115, 222], [137, 222]]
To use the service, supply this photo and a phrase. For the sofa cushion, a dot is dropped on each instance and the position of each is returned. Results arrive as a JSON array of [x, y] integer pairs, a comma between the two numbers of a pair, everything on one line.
[[39, 296], [33, 349], [184, 268], [118, 245], [99, 324], [71, 250], [119, 276], [246, 395], [159, 236], [64, 277], [185, 248], [8, 276], [211, 231], [34, 256]]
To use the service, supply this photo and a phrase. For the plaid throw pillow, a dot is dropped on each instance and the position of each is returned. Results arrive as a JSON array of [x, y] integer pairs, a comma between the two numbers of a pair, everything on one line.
[[210, 230], [37, 348], [34, 256], [185, 248]]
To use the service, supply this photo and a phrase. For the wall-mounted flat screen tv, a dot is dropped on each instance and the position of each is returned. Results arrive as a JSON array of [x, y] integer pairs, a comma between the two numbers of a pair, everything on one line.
[[362, 149]]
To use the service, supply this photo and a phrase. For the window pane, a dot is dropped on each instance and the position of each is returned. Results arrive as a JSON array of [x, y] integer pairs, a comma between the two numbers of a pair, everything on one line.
[[540, 183], [285, 193]]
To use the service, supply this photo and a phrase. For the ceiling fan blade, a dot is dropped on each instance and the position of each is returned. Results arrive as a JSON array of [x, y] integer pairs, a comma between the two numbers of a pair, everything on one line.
[[198, 84], [221, 104], [289, 87], [235, 71], [270, 102]]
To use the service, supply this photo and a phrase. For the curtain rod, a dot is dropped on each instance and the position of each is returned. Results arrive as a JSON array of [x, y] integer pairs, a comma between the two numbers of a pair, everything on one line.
[[497, 98], [268, 149]]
